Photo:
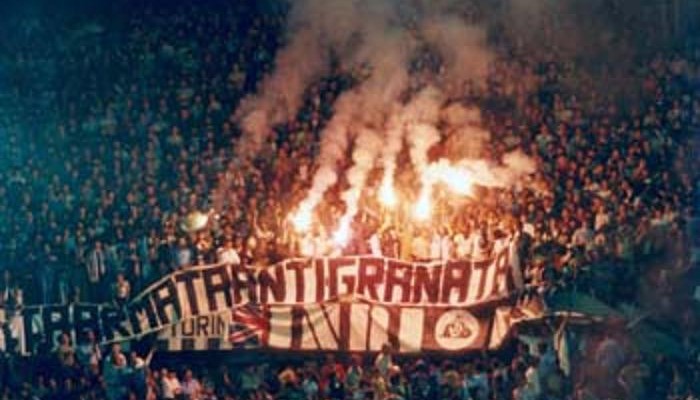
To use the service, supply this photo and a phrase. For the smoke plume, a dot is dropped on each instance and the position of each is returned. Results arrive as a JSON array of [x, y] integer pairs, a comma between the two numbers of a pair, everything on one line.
[[380, 43]]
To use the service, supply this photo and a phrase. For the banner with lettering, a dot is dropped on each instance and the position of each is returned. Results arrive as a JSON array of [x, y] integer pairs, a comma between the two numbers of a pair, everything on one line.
[[338, 303]]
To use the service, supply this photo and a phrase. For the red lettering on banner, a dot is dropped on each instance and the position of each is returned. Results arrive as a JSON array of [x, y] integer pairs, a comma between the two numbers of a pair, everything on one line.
[[275, 284], [319, 266], [202, 323], [163, 301], [243, 280], [394, 326], [216, 280], [298, 314], [481, 268], [332, 327], [291, 322], [320, 327], [348, 280], [188, 277], [370, 275], [456, 277], [187, 327], [345, 326], [427, 281], [502, 274], [298, 267], [398, 274], [334, 264]]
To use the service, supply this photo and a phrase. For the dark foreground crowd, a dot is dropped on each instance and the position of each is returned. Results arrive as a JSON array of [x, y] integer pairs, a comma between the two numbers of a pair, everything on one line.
[[534, 370], [117, 129]]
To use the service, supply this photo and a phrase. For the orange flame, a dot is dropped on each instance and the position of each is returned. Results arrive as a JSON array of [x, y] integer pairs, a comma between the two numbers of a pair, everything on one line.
[[457, 178], [302, 220], [387, 195], [423, 208], [342, 235]]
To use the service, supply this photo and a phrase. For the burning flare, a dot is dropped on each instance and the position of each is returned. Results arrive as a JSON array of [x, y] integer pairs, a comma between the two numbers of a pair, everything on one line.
[[457, 178], [302, 220], [342, 235], [387, 195], [423, 208]]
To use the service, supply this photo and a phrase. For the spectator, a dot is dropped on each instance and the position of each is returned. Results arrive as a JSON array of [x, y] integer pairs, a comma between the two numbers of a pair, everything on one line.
[[310, 386], [384, 361], [227, 254], [122, 290], [183, 254], [66, 353], [191, 388], [96, 270], [89, 353], [171, 387], [115, 370], [112, 139], [250, 381]]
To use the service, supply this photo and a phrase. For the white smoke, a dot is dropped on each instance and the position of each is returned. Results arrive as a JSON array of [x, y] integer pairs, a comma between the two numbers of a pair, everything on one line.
[[315, 27], [513, 166], [334, 145], [376, 41], [394, 131], [421, 116], [367, 147], [461, 46], [465, 136], [383, 48]]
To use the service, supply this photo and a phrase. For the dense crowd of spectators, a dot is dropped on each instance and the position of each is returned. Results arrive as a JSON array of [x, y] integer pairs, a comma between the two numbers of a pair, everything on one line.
[[530, 371], [134, 132], [117, 132]]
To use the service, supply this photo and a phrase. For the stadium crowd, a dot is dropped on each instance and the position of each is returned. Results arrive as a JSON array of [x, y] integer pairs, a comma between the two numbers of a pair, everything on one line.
[[528, 372], [114, 136]]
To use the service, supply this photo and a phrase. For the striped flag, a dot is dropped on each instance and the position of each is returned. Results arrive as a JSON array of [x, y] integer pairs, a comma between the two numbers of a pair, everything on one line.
[[249, 326]]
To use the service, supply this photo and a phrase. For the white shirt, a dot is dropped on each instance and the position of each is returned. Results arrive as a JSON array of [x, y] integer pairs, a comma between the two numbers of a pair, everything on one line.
[[383, 363], [420, 248], [171, 387], [229, 256], [96, 266], [192, 389], [462, 249], [480, 248], [440, 247]]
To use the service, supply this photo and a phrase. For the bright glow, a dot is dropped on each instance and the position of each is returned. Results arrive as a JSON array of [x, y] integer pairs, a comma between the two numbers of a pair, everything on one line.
[[307, 247], [423, 208], [457, 178], [387, 196], [342, 235], [302, 220]]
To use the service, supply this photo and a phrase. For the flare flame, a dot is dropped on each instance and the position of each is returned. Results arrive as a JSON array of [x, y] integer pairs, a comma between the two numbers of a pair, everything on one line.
[[423, 208], [457, 178], [302, 220], [387, 195]]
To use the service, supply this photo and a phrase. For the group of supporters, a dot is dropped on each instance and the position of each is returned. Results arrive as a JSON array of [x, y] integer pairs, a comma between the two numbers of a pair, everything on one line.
[[531, 370], [117, 132]]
